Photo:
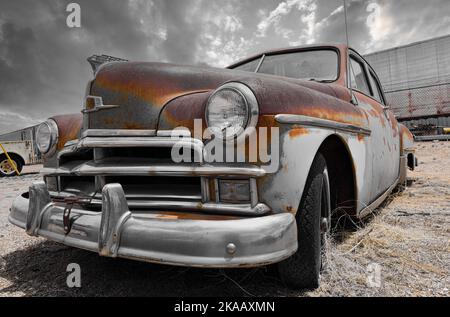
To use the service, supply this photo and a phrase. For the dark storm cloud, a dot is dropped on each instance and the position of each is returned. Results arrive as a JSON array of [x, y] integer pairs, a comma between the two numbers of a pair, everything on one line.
[[17, 62], [43, 62], [180, 45], [394, 23], [415, 20], [332, 27], [43, 68]]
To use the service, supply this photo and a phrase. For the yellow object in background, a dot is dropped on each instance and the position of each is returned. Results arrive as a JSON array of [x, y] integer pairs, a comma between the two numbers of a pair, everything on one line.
[[13, 164]]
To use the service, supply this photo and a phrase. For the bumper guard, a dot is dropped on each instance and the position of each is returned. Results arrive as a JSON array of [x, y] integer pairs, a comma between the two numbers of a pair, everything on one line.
[[151, 237]]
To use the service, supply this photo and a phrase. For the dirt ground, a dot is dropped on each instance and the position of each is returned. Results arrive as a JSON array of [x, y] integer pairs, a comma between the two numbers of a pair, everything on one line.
[[404, 250]]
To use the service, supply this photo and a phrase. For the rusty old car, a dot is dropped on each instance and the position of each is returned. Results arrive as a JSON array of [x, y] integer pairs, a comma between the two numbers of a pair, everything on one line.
[[111, 185]]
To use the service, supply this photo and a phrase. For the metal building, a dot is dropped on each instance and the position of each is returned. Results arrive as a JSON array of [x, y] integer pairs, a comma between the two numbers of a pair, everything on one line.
[[26, 134], [22, 142], [416, 81]]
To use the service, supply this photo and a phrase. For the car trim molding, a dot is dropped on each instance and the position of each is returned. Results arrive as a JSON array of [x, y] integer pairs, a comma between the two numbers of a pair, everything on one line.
[[320, 123]]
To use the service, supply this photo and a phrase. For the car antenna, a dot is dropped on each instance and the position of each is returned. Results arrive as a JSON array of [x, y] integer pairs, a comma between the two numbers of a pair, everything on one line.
[[349, 80]]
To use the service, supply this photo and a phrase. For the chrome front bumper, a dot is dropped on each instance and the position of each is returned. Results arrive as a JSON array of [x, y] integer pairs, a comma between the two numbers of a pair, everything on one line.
[[151, 237]]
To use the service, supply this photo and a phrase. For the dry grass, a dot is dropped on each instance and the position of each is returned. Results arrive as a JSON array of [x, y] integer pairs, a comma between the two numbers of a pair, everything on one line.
[[408, 237]]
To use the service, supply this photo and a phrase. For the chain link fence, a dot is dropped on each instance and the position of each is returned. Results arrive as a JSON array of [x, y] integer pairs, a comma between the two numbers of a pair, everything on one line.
[[420, 102]]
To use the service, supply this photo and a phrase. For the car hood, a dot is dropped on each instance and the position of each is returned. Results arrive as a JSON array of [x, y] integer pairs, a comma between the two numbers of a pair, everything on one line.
[[140, 91]]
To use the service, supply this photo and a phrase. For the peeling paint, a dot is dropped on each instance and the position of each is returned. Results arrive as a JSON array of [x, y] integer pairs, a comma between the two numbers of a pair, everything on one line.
[[298, 132]]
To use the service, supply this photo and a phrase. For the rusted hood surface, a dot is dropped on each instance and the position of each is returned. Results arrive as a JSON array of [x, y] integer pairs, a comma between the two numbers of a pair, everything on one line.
[[141, 90]]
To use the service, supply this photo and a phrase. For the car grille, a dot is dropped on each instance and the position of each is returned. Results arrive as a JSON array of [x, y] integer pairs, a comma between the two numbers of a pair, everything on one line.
[[139, 190], [141, 162]]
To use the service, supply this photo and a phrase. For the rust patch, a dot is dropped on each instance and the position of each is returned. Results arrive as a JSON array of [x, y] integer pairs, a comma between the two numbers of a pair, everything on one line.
[[298, 132], [69, 127], [407, 133], [211, 189], [132, 126], [394, 124], [108, 120], [153, 82], [167, 215], [267, 121], [361, 137], [289, 209], [373, 113], [330, 102], [377, 110], [182, 111]]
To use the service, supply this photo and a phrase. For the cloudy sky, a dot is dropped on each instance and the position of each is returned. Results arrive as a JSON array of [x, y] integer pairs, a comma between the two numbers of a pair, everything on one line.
[[43, 68]]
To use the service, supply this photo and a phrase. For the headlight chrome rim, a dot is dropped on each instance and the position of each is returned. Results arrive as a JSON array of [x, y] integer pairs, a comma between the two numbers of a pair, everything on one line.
[[53, 137], [251, 106]]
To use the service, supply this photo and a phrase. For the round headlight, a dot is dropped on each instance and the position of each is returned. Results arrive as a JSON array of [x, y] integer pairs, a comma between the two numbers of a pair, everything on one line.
[[231, 109], [46, 136]]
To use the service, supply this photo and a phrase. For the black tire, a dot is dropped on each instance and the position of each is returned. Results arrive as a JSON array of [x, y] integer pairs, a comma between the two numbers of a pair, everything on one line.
[[302, 270], [16, 160]]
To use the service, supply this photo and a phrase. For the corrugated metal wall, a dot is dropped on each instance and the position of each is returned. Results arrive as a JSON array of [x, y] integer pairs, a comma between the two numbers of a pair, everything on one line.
[[416, 77], [26, 134], [20, 135]]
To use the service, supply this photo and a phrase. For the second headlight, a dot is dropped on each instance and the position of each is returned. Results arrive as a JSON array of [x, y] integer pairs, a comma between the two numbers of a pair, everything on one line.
[[231, 109], [47, 136]]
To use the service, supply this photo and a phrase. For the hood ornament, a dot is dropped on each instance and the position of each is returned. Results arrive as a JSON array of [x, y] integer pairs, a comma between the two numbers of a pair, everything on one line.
[[98, 60]]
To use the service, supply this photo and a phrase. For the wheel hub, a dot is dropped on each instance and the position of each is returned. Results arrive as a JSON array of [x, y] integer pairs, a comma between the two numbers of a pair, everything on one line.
[[6, 167]]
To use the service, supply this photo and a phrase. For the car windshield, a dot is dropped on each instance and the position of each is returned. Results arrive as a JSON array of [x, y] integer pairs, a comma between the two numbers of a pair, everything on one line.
[[317, 65]]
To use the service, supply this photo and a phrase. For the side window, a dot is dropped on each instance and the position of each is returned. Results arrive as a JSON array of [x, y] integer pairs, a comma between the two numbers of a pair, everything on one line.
[[358, 77], [376, 88]]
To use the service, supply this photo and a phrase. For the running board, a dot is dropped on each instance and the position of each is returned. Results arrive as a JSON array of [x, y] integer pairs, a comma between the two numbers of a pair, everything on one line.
[[371, 208]]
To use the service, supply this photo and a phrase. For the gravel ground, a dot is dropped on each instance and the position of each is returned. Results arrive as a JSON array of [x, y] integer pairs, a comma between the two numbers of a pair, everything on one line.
[[407, 244]]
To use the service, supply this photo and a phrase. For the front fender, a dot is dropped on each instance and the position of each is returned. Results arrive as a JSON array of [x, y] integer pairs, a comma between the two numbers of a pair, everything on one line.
[[282, 190], [69, 128]]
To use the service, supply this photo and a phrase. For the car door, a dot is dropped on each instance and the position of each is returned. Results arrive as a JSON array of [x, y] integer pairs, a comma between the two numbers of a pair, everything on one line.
[[380, 144], [391, 137]]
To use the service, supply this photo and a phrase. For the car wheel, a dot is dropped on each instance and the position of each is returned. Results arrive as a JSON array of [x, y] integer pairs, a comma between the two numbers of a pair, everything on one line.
[[302, 270], [6, 168]]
